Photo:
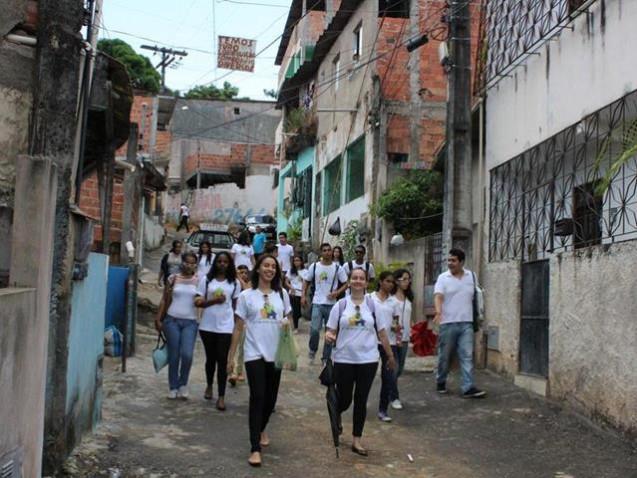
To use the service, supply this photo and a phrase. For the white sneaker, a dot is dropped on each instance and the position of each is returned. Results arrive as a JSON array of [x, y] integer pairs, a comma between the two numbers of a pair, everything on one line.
[[383, 417], [183, 392], [172, 394], [396, 405]]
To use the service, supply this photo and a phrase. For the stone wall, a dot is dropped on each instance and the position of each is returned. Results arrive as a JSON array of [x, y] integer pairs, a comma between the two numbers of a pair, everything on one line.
[[593, 333]]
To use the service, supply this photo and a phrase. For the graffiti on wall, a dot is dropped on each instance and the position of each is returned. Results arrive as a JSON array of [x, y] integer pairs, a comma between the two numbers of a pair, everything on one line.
[[212, 207]]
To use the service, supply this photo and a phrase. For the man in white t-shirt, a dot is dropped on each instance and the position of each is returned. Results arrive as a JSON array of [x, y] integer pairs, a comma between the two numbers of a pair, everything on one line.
[[184, 212], [285, 252], [360, 263], [323, 278], [453, 298]]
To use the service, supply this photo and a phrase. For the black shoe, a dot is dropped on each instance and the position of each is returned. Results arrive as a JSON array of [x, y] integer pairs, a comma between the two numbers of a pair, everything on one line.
[[441, 388], [473, 392]]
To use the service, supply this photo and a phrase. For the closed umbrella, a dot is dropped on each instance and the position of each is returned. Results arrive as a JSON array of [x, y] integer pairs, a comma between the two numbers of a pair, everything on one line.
[[331, 397]]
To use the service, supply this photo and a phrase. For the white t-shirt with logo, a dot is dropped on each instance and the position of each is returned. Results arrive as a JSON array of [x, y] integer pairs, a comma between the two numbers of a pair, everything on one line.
[[263, 319], [404, 309], [386, 311], [285, 254], [242, 255], [326, 279], [204, 266], [457, 305], [357, 340], [218, 318], [296, 281]]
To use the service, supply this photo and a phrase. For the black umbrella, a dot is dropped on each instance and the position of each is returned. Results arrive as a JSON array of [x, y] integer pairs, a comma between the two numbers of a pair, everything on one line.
[[331, 397]]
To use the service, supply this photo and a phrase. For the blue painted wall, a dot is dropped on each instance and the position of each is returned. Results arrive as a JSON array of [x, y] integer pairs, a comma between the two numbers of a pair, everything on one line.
[[116, 297], [304, 160], [86, 348]]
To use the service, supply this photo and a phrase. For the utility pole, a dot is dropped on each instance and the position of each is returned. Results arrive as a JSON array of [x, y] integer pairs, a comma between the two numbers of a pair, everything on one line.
[[457, 222], [168, 56]]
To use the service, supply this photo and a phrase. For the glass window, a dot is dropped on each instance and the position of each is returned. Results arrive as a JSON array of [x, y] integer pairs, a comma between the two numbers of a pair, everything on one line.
[[356, 170], [357, 46], [332, 186]]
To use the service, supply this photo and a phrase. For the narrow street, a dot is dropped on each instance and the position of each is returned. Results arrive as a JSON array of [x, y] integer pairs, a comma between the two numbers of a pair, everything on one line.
[[509, 434]]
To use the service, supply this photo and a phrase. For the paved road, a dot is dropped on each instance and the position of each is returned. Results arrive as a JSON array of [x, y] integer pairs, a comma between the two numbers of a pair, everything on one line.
[[509, 434]]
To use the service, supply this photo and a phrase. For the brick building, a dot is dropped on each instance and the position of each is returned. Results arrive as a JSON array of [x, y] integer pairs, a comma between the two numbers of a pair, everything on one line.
[[215, 144], [358, 108]]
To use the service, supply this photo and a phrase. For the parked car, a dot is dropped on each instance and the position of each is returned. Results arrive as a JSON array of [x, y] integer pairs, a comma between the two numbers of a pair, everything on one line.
[[267, 223], [216, 234]]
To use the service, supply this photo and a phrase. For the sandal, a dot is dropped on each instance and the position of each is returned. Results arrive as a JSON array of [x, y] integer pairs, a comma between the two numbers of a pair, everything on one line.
[[221, 406], [255, 459], [359, 451], [232, 380], [264, 442], [207, 395]]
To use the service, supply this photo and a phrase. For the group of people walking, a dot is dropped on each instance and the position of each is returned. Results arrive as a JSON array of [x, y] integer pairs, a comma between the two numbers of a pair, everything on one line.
[[240, 300]]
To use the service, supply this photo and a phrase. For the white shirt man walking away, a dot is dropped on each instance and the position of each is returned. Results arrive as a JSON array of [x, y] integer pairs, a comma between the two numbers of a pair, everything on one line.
[[184, 212], [453, 298]]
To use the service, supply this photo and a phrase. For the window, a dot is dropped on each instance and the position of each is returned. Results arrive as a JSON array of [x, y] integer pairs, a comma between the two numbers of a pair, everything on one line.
[[393, 8], [237, 111], [587, 213], [337, 70], [357, 46], [332, 180], [355, 170], [397, 158]]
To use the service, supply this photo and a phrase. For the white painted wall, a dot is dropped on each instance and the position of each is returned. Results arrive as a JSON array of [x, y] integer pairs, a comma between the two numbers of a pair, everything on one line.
[[579, 73]]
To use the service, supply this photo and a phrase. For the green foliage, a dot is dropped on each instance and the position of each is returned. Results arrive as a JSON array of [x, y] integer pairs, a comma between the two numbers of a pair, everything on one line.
[[413, 204], [349, 239], [211, 92], [141, 71], [271, 93], [295, 230], [379, 268], [296, 120], [628, 150]]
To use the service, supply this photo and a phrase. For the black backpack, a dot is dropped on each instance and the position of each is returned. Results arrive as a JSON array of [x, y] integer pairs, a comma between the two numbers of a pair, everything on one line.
[[350, 264], [313, 284]]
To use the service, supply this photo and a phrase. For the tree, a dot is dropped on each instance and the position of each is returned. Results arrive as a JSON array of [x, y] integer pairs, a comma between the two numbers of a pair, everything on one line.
[[211, 92], [413, 204], [271, 93], [141, 71]]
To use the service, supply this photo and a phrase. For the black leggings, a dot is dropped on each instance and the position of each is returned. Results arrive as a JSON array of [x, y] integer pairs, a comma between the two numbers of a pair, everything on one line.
[[263, 380], [216, 347], [295, 301], [345, 376]]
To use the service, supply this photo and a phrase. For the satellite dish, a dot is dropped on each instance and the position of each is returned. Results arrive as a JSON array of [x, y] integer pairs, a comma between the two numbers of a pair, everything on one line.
[[397, 240]]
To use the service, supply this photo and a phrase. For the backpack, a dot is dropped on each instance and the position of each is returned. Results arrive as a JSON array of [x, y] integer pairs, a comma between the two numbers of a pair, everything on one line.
[[313, 286], [351, 268]]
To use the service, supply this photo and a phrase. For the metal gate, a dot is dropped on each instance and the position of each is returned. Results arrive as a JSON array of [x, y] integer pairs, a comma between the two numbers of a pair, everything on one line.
[[534, 329]]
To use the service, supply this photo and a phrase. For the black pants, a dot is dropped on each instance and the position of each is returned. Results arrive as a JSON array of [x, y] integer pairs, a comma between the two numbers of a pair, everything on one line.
[[347, 376], [295, 301], [216, 347], [389, 379], [184, 223], [263, 380]]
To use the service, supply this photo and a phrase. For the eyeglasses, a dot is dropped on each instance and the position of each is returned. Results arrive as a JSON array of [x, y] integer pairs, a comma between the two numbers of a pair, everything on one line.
[[404, 280], [359, 252]]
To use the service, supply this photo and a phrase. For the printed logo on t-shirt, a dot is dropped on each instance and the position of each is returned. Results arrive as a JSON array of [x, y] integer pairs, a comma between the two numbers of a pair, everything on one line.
[[356, 320], [218, 292], [323, 276], [267, 312]]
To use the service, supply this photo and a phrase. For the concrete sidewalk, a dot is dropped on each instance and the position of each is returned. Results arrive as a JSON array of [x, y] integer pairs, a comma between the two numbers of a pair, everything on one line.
[[509, 434]]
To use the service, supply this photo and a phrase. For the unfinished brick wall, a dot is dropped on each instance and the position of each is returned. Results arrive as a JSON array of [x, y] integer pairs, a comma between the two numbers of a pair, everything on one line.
[[90, 205], [259, 154]]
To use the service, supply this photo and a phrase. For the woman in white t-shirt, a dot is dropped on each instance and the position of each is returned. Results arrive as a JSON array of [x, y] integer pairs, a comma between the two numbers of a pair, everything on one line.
[[206, 256], [387, 312], [242, 252], [177, 318], [218, 292], [263, 310], [405, 297], [355, 331], [294, 282]]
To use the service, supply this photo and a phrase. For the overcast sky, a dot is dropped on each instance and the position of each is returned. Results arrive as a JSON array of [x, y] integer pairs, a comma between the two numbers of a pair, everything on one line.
[[189, 24]]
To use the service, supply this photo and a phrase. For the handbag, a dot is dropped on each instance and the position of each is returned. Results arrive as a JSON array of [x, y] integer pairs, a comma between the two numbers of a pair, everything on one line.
[[335, 229], [160, 353]]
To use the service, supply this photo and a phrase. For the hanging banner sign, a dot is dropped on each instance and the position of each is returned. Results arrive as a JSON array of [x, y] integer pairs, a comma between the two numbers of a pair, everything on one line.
[[236, 53]]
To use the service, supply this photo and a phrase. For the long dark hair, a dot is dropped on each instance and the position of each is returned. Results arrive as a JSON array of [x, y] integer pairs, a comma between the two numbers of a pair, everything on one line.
[[208, 255], [276, 280], [174, 246], [398, 273], [341, 257], [231, 271], [244, 238], [384, 275], [293, 270]]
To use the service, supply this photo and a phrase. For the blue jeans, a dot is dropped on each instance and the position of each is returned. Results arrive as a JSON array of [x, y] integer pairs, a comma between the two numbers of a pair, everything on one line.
[[389, 384], [181, 335], [456, 335], [320, 314], [402, 358]]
